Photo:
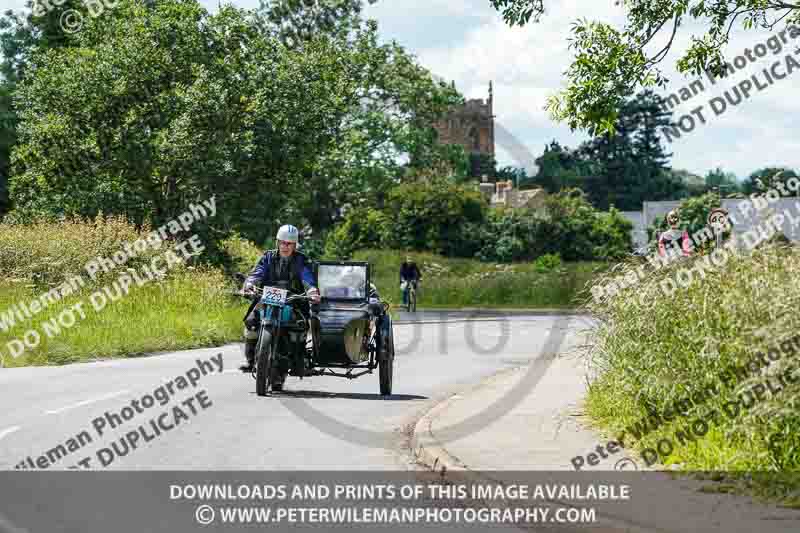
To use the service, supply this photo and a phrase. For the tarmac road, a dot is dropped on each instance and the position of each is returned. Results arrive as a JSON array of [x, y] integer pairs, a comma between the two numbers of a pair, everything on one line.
[[227, 427]]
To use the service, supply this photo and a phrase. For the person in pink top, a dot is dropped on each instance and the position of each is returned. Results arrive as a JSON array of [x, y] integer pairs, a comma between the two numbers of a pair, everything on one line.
[[674, 237]]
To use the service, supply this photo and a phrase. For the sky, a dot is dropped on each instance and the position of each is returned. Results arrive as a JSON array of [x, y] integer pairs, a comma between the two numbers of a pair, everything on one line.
[[466, 41]]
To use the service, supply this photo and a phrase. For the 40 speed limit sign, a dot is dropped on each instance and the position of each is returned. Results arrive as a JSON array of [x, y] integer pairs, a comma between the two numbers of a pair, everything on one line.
[[718, 221], [718, 218]]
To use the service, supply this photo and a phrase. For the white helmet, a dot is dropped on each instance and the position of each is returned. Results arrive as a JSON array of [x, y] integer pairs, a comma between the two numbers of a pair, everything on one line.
[[288, 233]]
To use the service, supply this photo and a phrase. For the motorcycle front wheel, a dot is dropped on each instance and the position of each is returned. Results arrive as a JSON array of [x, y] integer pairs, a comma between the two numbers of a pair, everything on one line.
[[263, 361]]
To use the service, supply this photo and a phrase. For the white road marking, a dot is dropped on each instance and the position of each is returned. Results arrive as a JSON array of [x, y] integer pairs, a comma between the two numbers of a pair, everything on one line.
[[8, 431], [87, 402], [6, 525]]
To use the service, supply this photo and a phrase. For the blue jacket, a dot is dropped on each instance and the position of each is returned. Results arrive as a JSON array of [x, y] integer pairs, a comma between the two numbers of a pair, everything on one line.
[[300, 268]]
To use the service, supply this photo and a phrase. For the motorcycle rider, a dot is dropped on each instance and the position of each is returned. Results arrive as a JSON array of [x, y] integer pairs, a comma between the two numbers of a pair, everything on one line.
[[674, 237], [409, 273], [283, 267]]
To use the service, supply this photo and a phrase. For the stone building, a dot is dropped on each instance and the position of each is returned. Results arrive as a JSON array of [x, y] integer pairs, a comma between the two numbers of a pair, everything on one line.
[[503, 194], [470, 125]]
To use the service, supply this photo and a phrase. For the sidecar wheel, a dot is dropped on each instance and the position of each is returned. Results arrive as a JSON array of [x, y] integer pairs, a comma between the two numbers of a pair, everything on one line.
[[386, 365], [385, 371]]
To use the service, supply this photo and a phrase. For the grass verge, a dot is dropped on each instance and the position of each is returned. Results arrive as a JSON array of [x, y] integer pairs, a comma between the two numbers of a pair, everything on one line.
[[652, 354], [189, 310]]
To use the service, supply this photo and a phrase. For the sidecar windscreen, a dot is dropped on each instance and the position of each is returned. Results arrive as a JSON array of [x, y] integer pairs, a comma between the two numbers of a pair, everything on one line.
[[342, 281]]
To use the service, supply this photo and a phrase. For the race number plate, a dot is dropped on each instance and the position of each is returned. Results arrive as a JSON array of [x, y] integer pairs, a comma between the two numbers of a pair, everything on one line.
[[275, 295]]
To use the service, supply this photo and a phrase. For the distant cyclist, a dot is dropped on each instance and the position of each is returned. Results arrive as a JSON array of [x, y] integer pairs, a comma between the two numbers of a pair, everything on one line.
[[409, 273], [674, 237]]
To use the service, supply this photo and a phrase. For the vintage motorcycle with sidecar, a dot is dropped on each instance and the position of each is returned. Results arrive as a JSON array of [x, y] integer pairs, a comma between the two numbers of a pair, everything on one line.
[[350, 330]]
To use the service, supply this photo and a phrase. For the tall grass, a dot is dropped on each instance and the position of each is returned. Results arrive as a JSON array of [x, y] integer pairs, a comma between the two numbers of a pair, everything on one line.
[[651, 351], [189, 307], [190, 310], [46, 253]]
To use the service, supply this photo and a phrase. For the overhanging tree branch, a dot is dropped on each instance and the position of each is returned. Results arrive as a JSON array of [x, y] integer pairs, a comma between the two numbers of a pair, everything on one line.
[[615, 60], [664, 51]]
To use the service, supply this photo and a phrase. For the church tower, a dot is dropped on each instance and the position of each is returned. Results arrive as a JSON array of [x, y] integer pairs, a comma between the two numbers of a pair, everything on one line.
[[470, 125]]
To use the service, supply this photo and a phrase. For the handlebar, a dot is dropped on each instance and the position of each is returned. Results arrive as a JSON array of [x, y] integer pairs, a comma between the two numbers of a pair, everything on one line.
[[297, 297], [254, 295]]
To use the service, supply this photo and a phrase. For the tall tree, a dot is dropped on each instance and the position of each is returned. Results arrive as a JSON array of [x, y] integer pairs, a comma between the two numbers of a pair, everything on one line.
[[386, 134], [724, 182], [298, 21], [610, 64], [389, 120], [8, 130], [167, 104], [631, 166], [37, 29], [559, 168], [163, 104], [693, 185]]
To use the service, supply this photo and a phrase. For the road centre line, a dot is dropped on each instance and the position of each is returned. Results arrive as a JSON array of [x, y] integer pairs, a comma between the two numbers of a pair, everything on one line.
[[8, 431], [87, 402]]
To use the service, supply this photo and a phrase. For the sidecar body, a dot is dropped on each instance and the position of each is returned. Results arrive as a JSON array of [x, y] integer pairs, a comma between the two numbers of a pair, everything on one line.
[[354, 331]]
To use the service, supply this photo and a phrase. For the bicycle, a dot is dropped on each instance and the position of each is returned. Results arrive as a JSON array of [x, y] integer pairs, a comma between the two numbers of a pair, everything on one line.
[[411, 299]]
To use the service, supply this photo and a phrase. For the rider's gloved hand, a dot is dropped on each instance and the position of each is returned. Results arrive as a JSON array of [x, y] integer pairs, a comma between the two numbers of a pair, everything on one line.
[[249, 287], [314, 294]]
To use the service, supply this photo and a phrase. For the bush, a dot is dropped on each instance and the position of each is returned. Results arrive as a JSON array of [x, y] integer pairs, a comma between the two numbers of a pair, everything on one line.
[[547, 263], [569, 227], [508, 236], [611, 236], [436, 215], [363, 227], [244, 255], [453, 221]]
